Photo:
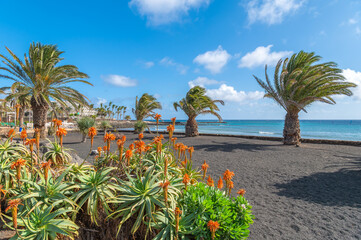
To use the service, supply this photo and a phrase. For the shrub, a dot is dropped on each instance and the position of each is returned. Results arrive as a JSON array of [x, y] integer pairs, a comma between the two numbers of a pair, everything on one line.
[[140, 126], [147, 191], [84, 124], [208, 203], [105, 125]]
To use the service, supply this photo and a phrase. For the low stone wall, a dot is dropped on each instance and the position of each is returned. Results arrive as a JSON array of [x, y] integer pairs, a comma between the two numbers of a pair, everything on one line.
[[278, 139]]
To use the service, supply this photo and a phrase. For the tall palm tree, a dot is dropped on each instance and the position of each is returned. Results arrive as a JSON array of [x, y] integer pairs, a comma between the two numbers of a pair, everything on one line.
[[298, 82], [45, 79], [195, 103], [19, 94], [124, 111], [145, 106]]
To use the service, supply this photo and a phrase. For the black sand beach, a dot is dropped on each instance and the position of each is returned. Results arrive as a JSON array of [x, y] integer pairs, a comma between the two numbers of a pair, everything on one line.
[[308, 192]]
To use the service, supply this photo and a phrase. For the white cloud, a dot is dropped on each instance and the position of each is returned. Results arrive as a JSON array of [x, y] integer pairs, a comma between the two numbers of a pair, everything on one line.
[[120, 81], [159, 12], [354, 77], [157, 95], [166, 61], [101, 101], [271, 11], [148, 64], [202, 81], [228, 93], [352, 21], [358, 30], [215, 60], [262, 56]]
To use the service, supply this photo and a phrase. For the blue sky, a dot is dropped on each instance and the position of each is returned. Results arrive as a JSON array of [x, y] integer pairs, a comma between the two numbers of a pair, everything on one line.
[[162, 47]]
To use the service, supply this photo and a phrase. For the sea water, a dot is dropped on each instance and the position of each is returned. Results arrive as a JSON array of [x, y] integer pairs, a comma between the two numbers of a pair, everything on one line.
[[318, 129]]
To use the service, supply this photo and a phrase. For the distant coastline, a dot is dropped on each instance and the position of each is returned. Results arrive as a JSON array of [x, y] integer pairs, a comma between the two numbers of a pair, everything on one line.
[[346, 130]]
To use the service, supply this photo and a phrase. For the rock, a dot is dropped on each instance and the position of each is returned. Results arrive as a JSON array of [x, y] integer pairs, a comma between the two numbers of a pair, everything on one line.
[[94, 152], [76, 158], [44, 147]]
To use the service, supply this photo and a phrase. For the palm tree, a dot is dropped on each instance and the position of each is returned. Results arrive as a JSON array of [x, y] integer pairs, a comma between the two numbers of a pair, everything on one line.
[[298, 82], [19, 94], [145, 106], [45, 79], [84, 124], [124, 110], [101, 111], [195, 103]]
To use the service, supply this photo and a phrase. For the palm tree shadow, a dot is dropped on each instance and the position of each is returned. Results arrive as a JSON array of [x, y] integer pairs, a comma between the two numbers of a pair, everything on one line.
[[341, 188], [231, 147], [353, 162]]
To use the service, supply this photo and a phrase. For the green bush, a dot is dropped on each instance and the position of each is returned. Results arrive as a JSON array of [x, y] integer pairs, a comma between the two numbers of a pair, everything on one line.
[[208, 203], [84, 124], [136, 192], [140, 126], [105, 125]]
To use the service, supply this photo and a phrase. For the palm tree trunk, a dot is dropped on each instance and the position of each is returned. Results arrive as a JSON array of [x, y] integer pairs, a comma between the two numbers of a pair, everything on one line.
[[83, 137], [21, 116], [192, 127], [40, 111], [291, 131]]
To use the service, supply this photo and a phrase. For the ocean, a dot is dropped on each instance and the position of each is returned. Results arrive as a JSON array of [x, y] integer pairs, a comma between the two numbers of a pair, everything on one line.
[[317, 129]]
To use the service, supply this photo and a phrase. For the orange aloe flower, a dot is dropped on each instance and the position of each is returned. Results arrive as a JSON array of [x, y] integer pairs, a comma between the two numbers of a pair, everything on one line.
[[165, 186], [2, 191], [227, 176], [13, 205], [100, 151], [177, 213], [170, 129], [205, 166], [120, 144], [190, 150], [173, 121], [213, 227], [46, 167], [220, 183], [92, 132], [23, 135], [105, 148], [60, 133], [241, 192], [210, 181], [186, 180], [58, 123], [165, 166], [177, 147], [108, 137], [158, 142], [141, 136], [30, 142], [18, 164], [230, 187], [11, 134], [147, 148], [140, 146], [173, 141], [131, 147], [157, 117], [183, 149], [128, 155]]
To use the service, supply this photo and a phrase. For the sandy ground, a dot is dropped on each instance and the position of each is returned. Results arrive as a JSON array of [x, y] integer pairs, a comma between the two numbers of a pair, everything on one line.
[[308, 192]]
